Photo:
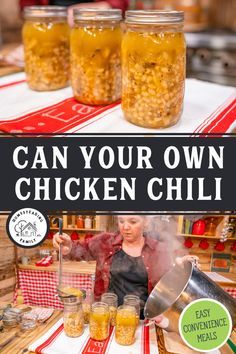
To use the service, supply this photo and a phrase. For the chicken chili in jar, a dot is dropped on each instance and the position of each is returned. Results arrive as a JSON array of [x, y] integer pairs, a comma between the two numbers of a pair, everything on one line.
[[46, 39], [125, 325], [73, 317], [95, 56], [153, 68], [99, 323]]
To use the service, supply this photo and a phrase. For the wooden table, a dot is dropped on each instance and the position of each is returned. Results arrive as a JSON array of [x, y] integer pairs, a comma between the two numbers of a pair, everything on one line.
[[6, 69], [19, 340]]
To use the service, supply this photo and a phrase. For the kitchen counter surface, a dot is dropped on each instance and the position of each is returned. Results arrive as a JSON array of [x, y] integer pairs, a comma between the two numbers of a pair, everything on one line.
[[19, 341], [81, 267], [6, 69]]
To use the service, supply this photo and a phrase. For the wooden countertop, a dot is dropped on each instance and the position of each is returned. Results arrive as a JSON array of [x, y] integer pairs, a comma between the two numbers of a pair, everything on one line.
[[6, 69], [68, 266], [230, 276], [19, 341]]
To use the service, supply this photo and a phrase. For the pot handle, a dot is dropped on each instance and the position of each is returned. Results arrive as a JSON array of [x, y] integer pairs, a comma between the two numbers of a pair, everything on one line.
[[231, 345]]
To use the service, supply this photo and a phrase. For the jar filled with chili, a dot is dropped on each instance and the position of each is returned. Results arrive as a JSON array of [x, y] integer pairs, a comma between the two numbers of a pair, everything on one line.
[[95, 56], [99, 323], [73, 317], [46, 47], [153, 68]]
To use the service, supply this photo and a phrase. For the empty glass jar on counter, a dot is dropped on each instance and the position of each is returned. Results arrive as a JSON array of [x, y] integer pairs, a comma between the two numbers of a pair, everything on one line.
[[111, 299], [46, 47], [95, 56], [87, 304], [73, 317], [125, 325], [153, 68], [99, 324]]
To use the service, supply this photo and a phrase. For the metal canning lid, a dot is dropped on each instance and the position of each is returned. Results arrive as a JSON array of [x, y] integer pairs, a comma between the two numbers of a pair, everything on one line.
[[154, 17], [97, 15], [45, 11]]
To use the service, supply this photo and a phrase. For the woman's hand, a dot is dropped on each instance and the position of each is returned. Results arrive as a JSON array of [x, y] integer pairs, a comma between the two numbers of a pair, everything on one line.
[[161, 321], [66, 242], [188, 258]]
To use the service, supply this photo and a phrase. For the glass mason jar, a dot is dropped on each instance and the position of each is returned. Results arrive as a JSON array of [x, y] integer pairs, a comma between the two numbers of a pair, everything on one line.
[[87, 303], [73, 317], [125, 325], [95, 56], [99, 324], [46, 39], [111, 300], [134, 301], [153, 68]]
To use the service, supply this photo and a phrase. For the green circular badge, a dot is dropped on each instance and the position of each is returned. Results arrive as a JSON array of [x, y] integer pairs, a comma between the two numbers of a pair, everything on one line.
[[205, 325]]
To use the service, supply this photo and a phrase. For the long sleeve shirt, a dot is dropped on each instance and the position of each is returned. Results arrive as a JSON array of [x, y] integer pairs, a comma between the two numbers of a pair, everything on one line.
[[102, 247], [118, 4]]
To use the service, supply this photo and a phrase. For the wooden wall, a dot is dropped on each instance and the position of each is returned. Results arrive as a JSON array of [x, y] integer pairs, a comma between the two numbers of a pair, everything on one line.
[[8, 255]]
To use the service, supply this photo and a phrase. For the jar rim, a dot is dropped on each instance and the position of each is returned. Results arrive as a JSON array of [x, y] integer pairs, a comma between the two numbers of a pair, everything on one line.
[[97, 15], [45, 11], [111, 295], [100, 304], [154, 16]]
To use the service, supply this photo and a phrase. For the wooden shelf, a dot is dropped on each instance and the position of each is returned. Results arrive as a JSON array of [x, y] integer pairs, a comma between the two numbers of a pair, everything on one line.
[[75, 229], [208, 237]]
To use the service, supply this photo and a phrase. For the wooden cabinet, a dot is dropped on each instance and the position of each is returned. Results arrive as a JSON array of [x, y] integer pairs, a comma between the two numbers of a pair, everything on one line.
[[95, 224], [205, 245], [185, 229]]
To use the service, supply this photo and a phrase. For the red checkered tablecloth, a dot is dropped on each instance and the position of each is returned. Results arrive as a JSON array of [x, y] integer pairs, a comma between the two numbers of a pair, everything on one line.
[[39, 287], [231, 291]]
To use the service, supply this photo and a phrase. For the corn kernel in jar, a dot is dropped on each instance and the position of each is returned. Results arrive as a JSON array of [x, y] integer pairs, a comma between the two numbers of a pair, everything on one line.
[[86, 311], [73, 325], [99, 323], [111, 299], [73, 317], [125, 325], [95, 56], [46, 47], [153, 68]]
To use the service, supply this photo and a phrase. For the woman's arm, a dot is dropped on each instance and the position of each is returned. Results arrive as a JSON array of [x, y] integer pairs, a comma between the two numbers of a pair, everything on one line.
[[118, 4], [89, 249]]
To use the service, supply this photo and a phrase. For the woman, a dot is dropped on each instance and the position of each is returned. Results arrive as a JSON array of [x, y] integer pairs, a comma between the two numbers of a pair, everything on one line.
[[128, 262], [119, 4]]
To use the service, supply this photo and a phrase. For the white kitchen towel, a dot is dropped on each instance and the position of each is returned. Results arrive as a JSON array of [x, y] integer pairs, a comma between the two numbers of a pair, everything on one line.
[[56, 342], [208, 108]]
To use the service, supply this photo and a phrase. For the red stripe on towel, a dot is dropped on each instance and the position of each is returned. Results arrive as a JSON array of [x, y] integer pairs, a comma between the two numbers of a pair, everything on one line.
[[146, 338], [220, 120], [50, 340], [12, 84], [98, 347], [56, 118], [223, 121]]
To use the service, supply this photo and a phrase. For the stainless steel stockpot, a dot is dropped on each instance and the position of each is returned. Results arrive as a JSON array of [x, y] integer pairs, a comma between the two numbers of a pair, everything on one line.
[[181, 285]]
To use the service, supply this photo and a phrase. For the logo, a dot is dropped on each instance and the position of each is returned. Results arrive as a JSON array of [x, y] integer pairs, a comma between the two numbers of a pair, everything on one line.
[[27, 227], [205, 325]]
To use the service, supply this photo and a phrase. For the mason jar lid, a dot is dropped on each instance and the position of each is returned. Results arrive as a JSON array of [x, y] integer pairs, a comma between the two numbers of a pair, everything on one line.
[[45, 11], [97, 15], [154, 16]]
